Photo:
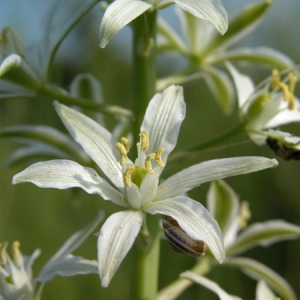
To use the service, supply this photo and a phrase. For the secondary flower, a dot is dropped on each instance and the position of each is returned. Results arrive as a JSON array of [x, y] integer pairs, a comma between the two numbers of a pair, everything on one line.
[[135, 185], [121, 12], [15, 273], [269, 106]]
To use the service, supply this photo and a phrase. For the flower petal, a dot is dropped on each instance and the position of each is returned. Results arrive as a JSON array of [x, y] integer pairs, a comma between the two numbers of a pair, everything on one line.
[[163, 118], [285, 117], [96, 141], [194, 219], [63, 174], [118, 15], [193, 176], [243, 84], [211, 10], [115, 240]]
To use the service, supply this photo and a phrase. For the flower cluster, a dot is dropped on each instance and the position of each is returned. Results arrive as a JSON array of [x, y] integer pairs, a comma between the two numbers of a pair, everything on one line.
[[136, 185]]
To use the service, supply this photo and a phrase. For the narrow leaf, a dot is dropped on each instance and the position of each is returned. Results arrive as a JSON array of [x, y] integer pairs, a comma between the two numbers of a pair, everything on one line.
[[263, 234], [262, 56], [239, 26]]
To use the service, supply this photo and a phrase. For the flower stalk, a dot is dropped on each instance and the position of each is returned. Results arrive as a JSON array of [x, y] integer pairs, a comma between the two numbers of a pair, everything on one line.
[[144, 65], [144, 82]]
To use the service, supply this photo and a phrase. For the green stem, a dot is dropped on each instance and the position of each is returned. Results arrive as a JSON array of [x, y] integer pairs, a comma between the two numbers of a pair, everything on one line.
[[63, 97], [215, 141], [144, 66], [219, 139], [144, 80], [178, 286], [147, 263], [80, 14]]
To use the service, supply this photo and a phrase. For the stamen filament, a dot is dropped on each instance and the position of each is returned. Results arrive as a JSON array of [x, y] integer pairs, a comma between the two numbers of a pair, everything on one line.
[[18, 259]]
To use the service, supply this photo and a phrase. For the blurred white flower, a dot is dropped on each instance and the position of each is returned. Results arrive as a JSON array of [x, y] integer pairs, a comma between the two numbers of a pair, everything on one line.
[[121, 12], [15, 273], [265, 108]]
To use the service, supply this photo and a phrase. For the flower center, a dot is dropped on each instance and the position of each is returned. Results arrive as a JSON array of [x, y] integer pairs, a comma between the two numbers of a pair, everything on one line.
[[135, 173], [287, 88]]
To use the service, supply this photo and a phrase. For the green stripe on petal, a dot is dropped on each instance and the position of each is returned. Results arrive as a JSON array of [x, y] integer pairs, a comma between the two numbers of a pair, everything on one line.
[[116, 237], [195, 175], [118, 15], [194, 219]]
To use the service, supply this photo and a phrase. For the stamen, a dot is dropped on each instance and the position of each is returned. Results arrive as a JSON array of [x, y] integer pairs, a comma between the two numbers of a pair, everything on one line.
[[17, 256], [148, 165], [127, 175], [275, 79], [144, 140], [125, 142], [292, 83], [285, 90], [123, 153], [158, 156]]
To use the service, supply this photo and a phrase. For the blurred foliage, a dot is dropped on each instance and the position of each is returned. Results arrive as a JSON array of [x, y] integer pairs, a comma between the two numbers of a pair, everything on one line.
[[45, 218]]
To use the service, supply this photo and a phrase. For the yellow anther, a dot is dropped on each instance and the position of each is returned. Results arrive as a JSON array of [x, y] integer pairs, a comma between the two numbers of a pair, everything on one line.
[[288, 96], [127, 175], [144, 140], [275, 79], [123, 153], [148, 165], [17, 256], [125, 142], [158, 157]]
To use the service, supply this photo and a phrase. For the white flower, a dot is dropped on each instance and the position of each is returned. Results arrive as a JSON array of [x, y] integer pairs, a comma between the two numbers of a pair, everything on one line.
[[15, 274], [136, 185], [121, 12], [269, 106]]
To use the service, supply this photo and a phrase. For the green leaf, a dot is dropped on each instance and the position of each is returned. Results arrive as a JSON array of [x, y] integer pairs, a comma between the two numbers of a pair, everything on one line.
[[262, 56], [223, 204], [239, 26], [264, 234], [47, 136], [259, 271], [221, 87]]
